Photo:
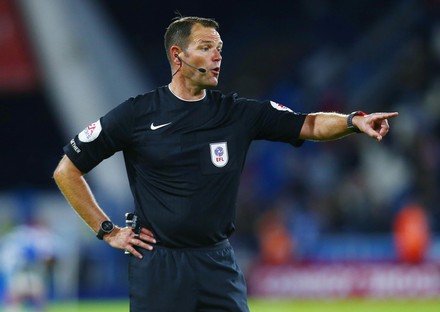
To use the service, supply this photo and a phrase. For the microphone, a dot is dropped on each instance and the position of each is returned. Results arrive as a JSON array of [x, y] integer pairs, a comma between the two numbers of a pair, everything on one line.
[[200, 69]]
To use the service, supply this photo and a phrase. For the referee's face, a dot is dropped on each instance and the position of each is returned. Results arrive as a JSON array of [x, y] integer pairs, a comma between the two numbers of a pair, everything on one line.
[[204, 51]]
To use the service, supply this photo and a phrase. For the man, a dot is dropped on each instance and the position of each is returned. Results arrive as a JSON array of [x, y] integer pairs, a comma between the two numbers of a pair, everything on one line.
[[184, 147]]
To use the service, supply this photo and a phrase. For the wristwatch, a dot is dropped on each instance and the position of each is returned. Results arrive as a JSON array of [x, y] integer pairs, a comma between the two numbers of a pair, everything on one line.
[[105, 228], [350, 121]]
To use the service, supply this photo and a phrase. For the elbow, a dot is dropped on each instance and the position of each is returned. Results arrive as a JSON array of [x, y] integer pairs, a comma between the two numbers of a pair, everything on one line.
[[59, 173], [65, 170]]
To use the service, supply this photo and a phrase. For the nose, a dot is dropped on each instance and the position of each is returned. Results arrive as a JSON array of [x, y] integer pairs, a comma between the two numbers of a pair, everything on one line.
[[217, 56]]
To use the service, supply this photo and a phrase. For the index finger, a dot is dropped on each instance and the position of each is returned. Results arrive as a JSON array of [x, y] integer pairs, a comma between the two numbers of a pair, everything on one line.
[[386, 115]]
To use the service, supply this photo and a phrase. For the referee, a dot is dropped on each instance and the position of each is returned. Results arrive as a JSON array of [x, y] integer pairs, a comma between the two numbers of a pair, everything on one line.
[[184, 146]]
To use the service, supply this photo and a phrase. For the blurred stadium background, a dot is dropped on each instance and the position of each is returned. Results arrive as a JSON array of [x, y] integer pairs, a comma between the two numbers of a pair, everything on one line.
[[343, 219]]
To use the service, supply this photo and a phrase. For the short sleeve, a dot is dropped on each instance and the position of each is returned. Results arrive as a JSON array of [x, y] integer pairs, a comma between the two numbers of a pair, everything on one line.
[[271, 121], [103, 138]]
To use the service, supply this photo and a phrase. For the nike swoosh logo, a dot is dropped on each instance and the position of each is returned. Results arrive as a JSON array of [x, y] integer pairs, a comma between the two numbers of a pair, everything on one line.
[[153, 127]]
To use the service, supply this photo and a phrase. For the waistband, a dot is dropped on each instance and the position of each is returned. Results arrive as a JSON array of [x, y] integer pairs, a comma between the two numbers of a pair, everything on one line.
[[132, 220], [216, 246]]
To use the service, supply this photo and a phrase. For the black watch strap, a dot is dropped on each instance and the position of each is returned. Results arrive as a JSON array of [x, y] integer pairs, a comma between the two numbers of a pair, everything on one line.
[[105, 228], [350, 121]]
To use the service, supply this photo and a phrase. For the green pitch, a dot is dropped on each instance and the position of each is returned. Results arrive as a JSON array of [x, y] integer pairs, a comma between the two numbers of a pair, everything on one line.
[[358, 305], [351, 305]]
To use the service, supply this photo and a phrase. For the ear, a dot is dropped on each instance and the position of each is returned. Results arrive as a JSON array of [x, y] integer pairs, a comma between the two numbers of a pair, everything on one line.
[[174, 52]]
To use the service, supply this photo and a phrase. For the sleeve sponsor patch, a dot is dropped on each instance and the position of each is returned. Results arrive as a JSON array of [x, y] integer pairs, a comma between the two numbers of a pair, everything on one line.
[[74, 146], [91, 132], [280, 107]]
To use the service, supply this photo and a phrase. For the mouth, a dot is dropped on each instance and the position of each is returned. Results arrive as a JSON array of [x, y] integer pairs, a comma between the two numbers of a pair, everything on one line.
[[216, 71]]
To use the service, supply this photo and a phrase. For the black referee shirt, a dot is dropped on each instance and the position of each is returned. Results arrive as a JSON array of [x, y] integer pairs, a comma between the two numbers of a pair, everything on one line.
[[183, 158]]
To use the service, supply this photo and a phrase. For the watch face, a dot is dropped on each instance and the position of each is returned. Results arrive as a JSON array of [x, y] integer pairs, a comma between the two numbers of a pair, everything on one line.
[[107, 226]]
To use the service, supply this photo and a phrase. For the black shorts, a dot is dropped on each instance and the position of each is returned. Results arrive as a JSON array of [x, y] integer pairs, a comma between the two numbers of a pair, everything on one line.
[[187, 280]]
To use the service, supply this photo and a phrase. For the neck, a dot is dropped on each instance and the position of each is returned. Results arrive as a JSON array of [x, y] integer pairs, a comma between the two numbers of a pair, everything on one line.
[[186, 93]]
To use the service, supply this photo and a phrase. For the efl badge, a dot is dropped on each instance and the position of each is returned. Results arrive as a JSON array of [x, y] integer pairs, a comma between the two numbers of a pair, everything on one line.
[[219, 154], [90, 133], [280, 107]]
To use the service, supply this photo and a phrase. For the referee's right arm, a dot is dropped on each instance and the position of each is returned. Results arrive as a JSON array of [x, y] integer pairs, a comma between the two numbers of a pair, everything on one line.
[[76, 190]]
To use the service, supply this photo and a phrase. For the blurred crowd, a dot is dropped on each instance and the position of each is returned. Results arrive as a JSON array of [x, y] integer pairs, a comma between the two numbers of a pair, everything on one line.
[[352, 186], [310, 55], [329, 56]]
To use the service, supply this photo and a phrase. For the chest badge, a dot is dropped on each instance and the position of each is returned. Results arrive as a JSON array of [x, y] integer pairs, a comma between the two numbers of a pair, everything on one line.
[[219, 154]]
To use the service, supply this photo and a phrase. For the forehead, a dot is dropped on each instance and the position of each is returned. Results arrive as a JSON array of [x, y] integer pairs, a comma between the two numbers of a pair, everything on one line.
[[200, 34]]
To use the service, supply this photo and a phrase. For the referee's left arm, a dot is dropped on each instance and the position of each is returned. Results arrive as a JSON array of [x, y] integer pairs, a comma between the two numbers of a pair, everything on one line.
[[324, 126]]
